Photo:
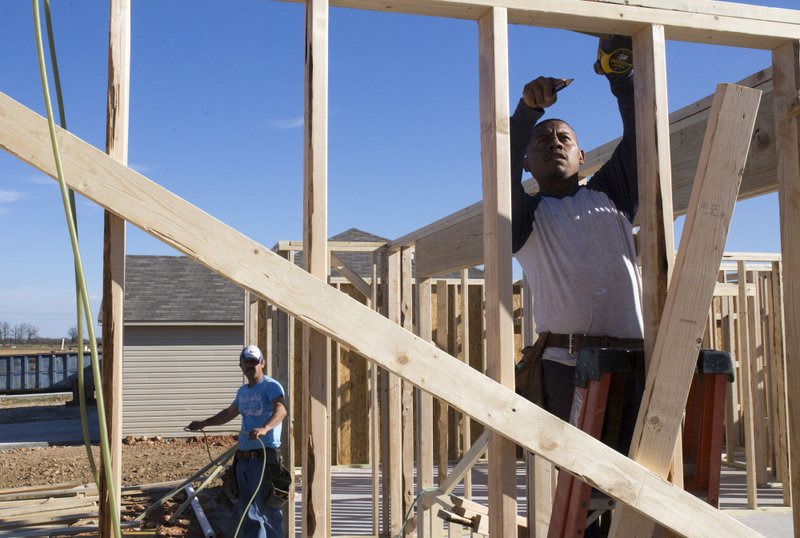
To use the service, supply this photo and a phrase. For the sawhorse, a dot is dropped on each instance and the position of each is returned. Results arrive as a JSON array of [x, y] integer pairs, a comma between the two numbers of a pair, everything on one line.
[[703, 426]]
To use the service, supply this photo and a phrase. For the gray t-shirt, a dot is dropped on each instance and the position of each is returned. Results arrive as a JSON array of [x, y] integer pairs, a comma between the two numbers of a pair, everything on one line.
[[577, 251], [581, 264]]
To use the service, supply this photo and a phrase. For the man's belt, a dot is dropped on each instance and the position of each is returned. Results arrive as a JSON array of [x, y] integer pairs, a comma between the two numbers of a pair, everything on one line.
[[575, 341], [256, 454]]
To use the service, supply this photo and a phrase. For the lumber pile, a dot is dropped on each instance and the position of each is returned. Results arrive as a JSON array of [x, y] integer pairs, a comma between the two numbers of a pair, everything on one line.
[[69, 508]]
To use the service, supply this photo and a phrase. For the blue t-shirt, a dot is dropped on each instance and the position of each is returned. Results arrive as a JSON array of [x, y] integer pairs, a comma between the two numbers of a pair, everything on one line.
[[255, 406]]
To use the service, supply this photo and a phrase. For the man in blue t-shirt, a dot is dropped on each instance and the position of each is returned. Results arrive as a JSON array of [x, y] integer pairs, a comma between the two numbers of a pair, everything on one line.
[[260, 402]]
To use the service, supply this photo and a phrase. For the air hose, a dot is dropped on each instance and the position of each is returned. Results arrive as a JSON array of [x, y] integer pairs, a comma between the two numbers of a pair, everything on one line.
[[83, 300], [258, 487], [79, 329]]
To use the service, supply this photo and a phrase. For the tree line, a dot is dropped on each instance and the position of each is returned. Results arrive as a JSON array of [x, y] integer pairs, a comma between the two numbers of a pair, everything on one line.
[[18, 334]]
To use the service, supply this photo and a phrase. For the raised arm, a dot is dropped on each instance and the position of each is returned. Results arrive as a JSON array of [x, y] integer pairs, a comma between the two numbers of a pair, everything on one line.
[[536, 95], [618, 177]]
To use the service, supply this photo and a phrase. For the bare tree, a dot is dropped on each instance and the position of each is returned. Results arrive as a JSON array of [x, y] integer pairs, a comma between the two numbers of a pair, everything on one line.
[[18, 333], [72, 334], [5, 331], [31, 332]]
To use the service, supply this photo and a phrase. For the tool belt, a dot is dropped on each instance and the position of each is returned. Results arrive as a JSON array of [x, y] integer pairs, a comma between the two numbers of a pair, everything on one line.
[[528, 371], [575, 341], [277, 479]]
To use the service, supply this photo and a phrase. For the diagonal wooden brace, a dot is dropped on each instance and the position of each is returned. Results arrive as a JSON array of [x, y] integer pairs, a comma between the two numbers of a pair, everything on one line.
[[680, 332]]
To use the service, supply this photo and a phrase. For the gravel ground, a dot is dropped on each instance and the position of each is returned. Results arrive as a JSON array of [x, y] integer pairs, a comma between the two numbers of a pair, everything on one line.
[[144, 461]]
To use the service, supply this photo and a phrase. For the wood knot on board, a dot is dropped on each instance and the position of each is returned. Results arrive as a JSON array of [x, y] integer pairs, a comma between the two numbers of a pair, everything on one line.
[[654, 423], [403, 359]]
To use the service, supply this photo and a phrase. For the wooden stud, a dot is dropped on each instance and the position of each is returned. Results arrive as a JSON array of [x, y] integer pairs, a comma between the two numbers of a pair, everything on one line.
[[681, 330], [407, 396], [336, 398], [655, 191], [756, 378], [786, 81], [732, 438], [374, 414], [316, 445], [117, 114], [393, 466], [252, 266], [441, 427], [746, 373], [779, 370], [466, 429], [495, 161], [655, 178], [283, 335], [424, 413]]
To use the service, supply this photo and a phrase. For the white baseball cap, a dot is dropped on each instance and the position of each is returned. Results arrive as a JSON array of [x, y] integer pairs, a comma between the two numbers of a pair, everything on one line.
[[250, 353]]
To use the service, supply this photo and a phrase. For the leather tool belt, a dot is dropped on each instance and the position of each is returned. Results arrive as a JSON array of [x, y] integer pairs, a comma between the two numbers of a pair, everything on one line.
[[575, 341]]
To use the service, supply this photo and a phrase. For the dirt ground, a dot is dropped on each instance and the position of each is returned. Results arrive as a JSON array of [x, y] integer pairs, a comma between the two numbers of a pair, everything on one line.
[[144, 461]]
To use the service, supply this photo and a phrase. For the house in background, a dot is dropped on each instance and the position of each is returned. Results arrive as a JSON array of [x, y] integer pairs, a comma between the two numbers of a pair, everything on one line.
[[184, 329], [182, 337]]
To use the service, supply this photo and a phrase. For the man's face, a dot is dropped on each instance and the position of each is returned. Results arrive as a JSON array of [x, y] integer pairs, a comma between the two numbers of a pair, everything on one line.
[[252, 369], [554, 155]]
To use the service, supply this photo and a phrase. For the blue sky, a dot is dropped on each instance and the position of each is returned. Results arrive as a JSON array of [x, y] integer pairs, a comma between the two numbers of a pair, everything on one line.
[[216, 117]]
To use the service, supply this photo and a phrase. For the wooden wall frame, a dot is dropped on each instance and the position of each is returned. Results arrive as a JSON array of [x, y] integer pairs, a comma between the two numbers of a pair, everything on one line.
[[135, 199]]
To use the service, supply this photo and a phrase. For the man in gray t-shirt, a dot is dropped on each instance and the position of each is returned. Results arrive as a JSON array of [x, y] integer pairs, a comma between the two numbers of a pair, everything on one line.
[[575, 242]]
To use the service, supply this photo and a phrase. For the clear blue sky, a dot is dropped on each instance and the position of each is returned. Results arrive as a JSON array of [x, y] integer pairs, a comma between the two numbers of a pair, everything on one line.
[[216, 117]]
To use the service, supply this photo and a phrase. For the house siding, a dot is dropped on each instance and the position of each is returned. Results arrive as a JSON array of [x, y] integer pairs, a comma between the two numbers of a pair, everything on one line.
[[173, 375]]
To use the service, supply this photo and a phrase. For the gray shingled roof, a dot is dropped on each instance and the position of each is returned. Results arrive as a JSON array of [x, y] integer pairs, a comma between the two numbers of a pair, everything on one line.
[[361, 262], [178, 289]]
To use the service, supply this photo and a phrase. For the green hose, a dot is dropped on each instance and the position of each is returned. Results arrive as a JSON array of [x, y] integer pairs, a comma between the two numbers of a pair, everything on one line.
[[79, 332], [80, 276], [258, 487]]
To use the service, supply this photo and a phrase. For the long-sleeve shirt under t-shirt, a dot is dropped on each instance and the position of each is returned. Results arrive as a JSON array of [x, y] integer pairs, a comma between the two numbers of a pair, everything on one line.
[[577, 251]]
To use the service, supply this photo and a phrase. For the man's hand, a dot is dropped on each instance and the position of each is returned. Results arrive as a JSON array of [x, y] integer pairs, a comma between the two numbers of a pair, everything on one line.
[[541, 93], [196, 425], [255, 433]]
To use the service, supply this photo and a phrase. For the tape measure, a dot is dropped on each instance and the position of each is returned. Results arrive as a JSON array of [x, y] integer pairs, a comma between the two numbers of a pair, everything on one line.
[[617, 61]]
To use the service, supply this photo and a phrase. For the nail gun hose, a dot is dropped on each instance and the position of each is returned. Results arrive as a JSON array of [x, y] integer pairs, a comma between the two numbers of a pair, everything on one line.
[[84, 295], [258, 487]]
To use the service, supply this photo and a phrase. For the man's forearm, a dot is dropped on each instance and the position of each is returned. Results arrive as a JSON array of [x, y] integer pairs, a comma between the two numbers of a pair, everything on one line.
[[223, 417]]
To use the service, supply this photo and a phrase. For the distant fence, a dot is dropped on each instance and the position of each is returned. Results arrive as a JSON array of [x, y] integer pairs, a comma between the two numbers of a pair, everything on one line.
[[39, 373]]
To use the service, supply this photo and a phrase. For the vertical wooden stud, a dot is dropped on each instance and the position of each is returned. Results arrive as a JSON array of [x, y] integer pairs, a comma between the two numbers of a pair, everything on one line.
[[374, 414], [117, 113], [656, 237], [407, 396], [466, 426], [756, 377], [393, 467], [283, 351], [316, 357], [746, 373], [779, 371], [495, 160], [425, 519], [441, 429], [786, 87]]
